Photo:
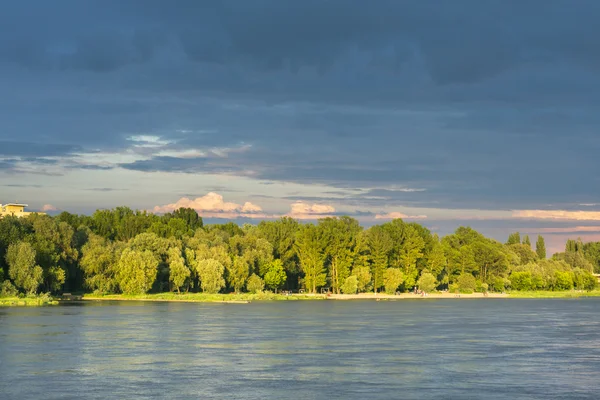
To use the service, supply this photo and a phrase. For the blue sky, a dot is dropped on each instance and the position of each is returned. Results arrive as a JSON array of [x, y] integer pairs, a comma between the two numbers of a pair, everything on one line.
[[481, 113]]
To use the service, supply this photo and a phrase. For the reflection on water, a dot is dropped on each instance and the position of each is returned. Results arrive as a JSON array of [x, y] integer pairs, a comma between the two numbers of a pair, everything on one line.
[[432, 349]]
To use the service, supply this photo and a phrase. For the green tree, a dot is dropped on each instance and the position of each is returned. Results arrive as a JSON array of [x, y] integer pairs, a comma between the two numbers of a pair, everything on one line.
[[350, 285], [275, 277], [136, 271], [392, 279], [179, 273], [308, 247], [380, 246], [339, 238], [410, 253], [521, 280], [514, 238], [281, 234], [238, 272], [255, 284], [211, 272], [540, 247], [22, 268], [98, 262], [427, 282], [527, 241], [526, 255], [7, 289], [564, 280], [191, 218], [466, 283], [491, 258], [437, 259], [363, 276]]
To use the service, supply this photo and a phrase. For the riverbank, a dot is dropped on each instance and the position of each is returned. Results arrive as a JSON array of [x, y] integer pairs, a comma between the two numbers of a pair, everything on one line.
[[555, 295], [27, 301], [247, 297], [204, 297], [242, 298]]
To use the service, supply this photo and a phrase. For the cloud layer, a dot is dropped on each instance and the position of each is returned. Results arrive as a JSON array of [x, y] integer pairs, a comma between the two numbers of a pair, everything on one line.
[[410, 107]]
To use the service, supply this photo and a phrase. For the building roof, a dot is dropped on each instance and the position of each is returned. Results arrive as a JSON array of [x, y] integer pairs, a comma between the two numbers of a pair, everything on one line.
[[14, 204]]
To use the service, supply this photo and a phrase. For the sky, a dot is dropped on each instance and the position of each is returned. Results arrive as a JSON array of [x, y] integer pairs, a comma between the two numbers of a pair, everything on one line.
[[469, 112]]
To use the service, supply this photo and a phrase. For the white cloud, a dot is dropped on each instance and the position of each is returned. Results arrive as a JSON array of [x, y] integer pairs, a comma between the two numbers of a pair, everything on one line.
[[302, 210], [213, 205], [396, 215]]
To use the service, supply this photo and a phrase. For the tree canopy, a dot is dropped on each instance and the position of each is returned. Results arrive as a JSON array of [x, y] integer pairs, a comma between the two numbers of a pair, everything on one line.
[[135, 252]]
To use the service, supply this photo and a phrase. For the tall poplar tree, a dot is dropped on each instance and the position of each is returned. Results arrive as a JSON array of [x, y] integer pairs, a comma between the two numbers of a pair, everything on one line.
[[540, 247]]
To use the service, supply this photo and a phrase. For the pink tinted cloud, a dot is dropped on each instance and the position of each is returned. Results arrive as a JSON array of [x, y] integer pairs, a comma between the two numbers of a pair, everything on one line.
[[48, 207], [302, 210], [569, 229], [396, 215], [212, 205], [558, 215]]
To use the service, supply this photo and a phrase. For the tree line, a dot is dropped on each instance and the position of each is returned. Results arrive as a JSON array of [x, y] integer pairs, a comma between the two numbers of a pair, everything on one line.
[[134, 252]]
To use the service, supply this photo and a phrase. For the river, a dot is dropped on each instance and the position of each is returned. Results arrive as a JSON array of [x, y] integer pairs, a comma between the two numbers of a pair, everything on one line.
[[408, 349]]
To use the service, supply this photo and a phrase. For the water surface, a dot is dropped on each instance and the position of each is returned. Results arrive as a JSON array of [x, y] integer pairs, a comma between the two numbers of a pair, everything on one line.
[[409, 349]]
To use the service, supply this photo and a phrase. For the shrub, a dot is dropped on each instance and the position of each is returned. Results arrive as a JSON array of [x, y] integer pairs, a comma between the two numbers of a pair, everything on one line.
[[498, 285], [255, 284], [482, 287], [427, 282], [564, 280], [466, 283], [521, 280], [7, 289], [392, 279], [350, 285]]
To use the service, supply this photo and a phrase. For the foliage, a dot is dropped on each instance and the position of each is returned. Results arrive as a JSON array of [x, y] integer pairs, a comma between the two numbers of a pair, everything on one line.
[[275, 276], [179, 273], [427, 282], [137, 271], [564, 280], [540, 247], [210, 272], [514, 238], [22, 268], [139, 252], [363, 277], [466, 283], [98, 263], [7, 289], [392, 279], [311, 257], [255, 284], [499, 284], [350, 285], [380, 246]]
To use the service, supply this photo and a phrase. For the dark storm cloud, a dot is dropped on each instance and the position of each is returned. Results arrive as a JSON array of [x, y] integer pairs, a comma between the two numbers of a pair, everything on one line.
[[482, 104]]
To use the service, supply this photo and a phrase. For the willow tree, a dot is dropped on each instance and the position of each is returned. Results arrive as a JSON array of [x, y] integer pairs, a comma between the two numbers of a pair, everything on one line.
[[22, 268], [137, 271]]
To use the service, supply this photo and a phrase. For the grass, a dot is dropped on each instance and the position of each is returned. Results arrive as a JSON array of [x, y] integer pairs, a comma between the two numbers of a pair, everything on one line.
[[41, 300], [204, 297], [546, 294]]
